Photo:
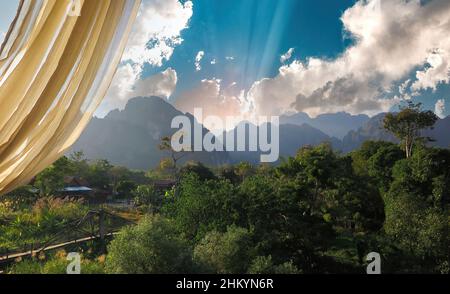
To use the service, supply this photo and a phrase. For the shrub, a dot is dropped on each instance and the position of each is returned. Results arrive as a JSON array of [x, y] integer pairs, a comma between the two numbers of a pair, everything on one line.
[[57, 265], [263, 265], [151, 247], [225, 253], [27, 267], [61, 208]]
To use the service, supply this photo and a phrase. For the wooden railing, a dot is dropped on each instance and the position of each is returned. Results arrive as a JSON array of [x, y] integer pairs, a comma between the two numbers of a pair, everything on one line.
[[98, 229]]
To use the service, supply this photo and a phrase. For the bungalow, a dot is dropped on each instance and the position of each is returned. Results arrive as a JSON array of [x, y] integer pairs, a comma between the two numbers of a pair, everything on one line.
[[79, 188]]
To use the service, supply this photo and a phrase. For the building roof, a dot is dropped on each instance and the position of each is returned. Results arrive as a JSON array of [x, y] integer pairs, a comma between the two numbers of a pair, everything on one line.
[[77, 189]]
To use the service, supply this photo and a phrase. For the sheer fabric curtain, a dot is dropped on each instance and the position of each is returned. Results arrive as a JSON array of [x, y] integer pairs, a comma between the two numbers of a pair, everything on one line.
[[56, 64]]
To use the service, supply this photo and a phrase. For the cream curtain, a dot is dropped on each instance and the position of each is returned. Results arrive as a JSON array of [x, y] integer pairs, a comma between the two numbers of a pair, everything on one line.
[[56, 64]]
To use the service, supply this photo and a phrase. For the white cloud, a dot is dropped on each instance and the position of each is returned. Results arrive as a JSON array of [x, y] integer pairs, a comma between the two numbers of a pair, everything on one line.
[[161, 85], [404, 86], [390, 42], [229, 58], [157, 31], [439, 108], [213, 99], [403, 90], [438, 71], [198, 60], [155, 34], [127, 85], [286, 56], [214, 61]]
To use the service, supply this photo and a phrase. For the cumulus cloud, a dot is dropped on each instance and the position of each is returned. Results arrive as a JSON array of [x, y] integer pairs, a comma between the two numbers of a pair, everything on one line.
[[162, 84], [155, 34], [213, 99], [198, 60], [346, 91], [157, 31], [403, 90], [438, 71], [391, 40], [439, 108], [214, 61], [229, 58], [286, 56]]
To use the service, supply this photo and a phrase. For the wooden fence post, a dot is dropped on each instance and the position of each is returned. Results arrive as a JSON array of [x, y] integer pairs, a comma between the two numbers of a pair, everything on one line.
[[101, 224]]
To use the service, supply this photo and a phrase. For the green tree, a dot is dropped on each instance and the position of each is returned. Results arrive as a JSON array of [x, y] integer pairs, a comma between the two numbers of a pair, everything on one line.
[[416, 213], [375, 160], [202, 206], [277, 210], [147, 196], [125, 188], [422, 232], [225, 253], [316, 168], [264, 265], [408, 124], [229, 172], [119, 176], [99, 174], [51, 180], [80, 164], [203, 172], [244, 170], [325, 186], [174, 156], [154, 246]]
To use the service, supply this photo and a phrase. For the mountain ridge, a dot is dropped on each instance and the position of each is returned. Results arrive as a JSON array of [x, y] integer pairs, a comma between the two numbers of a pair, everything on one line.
[[333, 124], [130, 137]]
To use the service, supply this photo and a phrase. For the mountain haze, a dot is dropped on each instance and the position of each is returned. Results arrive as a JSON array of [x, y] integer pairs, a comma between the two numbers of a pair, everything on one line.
[[292, 137], [131, 137], [373, 130], [333, 124]]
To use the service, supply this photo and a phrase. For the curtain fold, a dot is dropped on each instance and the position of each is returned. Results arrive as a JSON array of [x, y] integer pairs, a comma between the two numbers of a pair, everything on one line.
[[56, 64]]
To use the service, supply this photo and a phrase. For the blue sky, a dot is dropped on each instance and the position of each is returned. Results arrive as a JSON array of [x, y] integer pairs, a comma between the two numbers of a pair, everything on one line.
[[7, 12], [346, 55], [255, 33]]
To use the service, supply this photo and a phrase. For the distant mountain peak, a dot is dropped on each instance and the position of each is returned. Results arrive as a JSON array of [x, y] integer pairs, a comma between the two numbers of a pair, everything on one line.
[[374, 130], [333, 124], [142, 110], [131, 137]]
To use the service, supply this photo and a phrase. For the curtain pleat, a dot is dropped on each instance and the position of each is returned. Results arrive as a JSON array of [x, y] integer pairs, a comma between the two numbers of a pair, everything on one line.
[[55, 69]]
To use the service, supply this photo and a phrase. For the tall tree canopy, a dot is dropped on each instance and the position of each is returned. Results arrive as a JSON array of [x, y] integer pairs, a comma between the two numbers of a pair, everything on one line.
[[408, 124]]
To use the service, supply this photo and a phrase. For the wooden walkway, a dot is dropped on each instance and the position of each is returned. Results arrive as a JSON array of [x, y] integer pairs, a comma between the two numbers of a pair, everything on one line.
[[13, 256], [89, 218]]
